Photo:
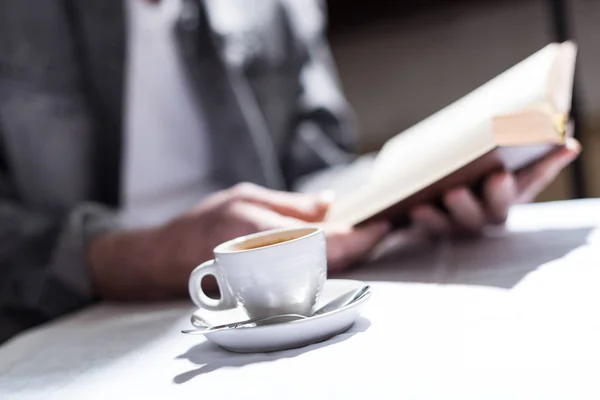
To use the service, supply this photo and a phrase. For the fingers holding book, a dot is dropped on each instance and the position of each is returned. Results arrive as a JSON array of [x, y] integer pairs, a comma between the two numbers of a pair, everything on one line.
[[533, 179], [466, 212]]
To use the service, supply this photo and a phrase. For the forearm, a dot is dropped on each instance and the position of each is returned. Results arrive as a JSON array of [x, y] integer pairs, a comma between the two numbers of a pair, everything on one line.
[[129, 265], [147, 264]]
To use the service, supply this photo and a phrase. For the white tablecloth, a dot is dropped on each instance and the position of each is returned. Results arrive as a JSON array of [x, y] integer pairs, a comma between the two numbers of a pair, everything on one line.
[[513, 316]]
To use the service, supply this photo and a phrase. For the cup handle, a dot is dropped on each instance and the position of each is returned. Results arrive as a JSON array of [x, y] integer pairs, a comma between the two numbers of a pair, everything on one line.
[[200, 298]]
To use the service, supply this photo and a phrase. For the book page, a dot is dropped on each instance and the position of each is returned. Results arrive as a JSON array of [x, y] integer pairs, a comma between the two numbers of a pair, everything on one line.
[[523, 86], [560, 81], [449, 139]]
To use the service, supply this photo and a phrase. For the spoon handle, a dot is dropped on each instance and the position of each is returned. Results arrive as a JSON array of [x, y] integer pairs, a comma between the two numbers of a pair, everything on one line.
[[284, 317], [339, 302], [344, 300], [194, 331]]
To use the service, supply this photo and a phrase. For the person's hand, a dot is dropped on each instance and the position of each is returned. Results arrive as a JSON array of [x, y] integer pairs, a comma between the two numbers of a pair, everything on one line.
[[156, 263], [467, 213], [248, 208]]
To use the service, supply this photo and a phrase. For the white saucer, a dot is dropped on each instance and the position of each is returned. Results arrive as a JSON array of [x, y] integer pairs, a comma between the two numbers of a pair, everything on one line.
[[288, 335]]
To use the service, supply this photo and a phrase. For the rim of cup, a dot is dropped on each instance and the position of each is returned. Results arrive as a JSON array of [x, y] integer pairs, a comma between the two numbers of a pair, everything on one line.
[[228, 247]]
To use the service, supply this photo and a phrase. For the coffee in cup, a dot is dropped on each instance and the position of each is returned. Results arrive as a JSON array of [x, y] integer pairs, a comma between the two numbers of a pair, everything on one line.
[[268, 273]]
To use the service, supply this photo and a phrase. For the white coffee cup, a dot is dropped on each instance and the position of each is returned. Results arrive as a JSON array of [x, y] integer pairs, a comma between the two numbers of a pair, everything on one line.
[[269, 273]]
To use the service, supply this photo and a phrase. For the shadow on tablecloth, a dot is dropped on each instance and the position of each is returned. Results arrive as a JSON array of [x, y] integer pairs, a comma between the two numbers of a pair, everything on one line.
[[500, 259], [211, 357]]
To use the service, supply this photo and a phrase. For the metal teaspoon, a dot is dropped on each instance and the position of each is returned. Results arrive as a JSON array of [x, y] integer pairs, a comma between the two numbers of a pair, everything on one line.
[[339, 302]]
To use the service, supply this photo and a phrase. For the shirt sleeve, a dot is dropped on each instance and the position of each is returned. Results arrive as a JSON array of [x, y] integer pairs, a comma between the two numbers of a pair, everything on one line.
[[43, 267]]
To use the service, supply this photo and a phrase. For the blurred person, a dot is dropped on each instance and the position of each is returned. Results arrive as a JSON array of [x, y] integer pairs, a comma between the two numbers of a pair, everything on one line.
[[136, 135]]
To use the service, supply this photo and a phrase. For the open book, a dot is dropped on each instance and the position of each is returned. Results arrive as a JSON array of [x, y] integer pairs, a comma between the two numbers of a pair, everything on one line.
[[508, 123]]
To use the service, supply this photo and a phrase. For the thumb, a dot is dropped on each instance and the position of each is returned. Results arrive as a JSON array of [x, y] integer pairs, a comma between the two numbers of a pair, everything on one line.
[[532, 180], [302, 206], [347, 246]]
